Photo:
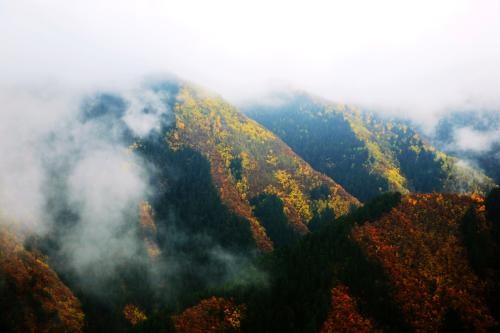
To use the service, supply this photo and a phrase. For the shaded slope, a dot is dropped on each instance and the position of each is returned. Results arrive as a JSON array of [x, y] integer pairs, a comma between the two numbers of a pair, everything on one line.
[[247, 160], [184, 238], [390, 266], [302, 278], [365, 154]]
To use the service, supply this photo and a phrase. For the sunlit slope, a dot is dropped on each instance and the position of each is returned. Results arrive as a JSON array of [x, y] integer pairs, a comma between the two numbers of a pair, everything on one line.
[[420, 246], [248, 160], [365, 154], [33, 298]]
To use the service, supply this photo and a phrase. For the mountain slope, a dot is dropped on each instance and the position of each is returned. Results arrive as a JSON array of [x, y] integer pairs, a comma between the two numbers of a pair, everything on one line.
[[365, 154], [248, 160], [429, 266], [32, 297], [218, 186], [214, 182], [393, 265]]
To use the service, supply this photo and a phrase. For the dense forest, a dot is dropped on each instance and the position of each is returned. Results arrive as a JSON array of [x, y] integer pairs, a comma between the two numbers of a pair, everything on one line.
[[365, 153], [237, 232]]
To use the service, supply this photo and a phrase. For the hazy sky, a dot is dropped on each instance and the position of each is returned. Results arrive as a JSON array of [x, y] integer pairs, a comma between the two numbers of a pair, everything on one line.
[[415, 56]]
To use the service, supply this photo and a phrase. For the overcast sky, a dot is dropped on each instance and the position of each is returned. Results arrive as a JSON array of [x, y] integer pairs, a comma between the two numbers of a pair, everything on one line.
[[417, 57]]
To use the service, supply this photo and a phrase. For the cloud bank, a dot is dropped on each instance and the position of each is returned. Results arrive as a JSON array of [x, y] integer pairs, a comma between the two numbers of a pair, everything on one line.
[[468, 139], [416, 58]]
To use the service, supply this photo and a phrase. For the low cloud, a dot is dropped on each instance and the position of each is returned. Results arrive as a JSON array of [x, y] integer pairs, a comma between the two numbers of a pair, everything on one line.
[[144, 112], [65, 162], [70, 176], [469, 139], [412, 59]]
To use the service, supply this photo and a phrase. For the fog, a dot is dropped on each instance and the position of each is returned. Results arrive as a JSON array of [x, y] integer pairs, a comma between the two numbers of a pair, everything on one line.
[[69, 177], [468, 139], [415, 58]]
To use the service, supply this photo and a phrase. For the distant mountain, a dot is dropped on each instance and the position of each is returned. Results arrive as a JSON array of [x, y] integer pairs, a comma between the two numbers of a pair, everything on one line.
[[473, 135], [366, 154]]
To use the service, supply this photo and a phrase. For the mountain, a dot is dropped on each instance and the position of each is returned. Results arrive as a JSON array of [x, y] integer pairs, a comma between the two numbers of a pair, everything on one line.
[[473, 135], [246, 161], [365, 153], [33, 298], [420, 262], [408, 263], [166, 209], [218, 190]]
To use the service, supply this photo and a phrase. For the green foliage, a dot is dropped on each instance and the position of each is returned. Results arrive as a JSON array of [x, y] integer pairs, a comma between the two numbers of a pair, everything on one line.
[[236, 168], [320, 193], [377, 207], [191, 202], [479, 120], [298, 297], [366, 154], [248, 160], [422, 166], [268, 208], [193, 225], [321, 218], [325, 140]]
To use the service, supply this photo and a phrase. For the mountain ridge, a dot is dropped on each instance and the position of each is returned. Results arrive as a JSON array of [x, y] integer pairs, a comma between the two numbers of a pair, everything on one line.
[[365, 153]]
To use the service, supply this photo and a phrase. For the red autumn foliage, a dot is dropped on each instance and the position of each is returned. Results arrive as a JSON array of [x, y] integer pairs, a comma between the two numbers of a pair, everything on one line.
[[418, 244], [344, 315], [214, 314], [33, 297]]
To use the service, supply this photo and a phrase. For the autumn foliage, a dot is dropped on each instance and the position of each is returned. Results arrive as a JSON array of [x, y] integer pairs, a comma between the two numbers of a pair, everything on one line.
[[344, 315], [418, 243], [365, 153], [148, 228], [33, 299], [214, 314], [133, 314], [247, 160]]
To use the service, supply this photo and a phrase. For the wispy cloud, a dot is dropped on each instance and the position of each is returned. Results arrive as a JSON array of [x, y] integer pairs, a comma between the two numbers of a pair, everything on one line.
[[468, 139]]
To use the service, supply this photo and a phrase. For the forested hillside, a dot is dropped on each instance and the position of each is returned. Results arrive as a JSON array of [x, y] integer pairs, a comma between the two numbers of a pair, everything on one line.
[[229, 230], [33, 298], [247, 160], [221, 190], [399, 264], [366, 154], [473, 135]]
